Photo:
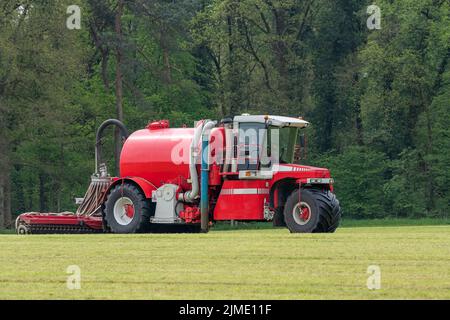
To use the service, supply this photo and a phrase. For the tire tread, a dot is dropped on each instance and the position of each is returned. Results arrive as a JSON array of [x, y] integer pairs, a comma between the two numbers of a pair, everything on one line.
[[328, 208], [144, 222]]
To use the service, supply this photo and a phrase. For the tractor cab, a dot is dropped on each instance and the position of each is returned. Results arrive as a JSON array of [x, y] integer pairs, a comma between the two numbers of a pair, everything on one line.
[[261, 142]]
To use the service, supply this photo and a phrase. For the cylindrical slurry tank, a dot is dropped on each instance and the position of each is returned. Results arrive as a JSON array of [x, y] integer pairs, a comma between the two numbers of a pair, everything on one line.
[[157, 154]]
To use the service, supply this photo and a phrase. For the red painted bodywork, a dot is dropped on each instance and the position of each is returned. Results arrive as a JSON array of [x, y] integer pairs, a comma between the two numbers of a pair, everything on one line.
[[161, 124], [146, 186], [190, 214], [61, 219], [300, 174], [242, 200], [158, 155], [238, 199]]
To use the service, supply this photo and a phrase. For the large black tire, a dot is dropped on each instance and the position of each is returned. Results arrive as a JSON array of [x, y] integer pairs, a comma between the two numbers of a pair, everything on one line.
[[278, 218], [322, 205], [140, 220]]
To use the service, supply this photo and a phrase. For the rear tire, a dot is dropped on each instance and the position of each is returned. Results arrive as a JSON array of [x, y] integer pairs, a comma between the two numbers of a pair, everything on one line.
[[127, 210], [317, 211]]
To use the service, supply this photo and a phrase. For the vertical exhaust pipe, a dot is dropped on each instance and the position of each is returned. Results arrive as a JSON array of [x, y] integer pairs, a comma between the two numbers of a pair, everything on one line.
[[204, 176], [191, 195]]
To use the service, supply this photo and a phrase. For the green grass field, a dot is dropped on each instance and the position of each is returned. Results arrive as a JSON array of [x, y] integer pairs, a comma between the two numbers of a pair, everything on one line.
[[231, 264]]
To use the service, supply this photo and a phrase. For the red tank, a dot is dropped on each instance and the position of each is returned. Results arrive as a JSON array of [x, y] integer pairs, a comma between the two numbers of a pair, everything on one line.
[[157, 153]]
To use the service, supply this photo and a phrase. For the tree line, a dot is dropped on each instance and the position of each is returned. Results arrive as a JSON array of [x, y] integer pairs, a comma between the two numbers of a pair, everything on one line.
[[378, 99]]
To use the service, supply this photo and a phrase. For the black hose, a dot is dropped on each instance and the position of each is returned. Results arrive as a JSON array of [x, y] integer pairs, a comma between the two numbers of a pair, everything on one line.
[[98, 142]]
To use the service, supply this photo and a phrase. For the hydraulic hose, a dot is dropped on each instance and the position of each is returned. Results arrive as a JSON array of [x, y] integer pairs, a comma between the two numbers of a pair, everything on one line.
[[98, 139]]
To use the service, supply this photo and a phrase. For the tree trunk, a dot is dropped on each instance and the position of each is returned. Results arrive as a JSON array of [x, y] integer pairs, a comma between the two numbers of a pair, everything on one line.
[[359, 127], [2, 201], [280, 52], [230, 81], [104, 65], [104, 51], [430, 205], [233, 81], [7, 202], [119, 84], [279, 45], [167, 72], [42, 202]]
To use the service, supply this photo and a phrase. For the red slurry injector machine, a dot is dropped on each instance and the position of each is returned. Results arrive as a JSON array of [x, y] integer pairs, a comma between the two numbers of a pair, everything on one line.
[[238, 169]]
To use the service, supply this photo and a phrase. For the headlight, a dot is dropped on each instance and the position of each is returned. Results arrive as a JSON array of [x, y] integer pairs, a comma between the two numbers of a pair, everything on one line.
[[320, 180]]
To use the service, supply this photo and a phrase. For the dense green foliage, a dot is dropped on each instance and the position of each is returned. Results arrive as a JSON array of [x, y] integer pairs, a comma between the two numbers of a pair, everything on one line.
[[378, 100]]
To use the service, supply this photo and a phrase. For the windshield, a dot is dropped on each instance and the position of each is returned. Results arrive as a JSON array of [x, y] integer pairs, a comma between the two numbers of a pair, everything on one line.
[[260, 147], [282, 143]]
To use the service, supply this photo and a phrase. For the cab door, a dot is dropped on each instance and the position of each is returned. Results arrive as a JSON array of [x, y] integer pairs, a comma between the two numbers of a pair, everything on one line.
[[249, 146], [244, 196]]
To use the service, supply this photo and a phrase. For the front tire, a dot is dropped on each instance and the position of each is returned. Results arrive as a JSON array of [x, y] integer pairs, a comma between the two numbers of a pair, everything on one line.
[[127, 210], [312, 210]]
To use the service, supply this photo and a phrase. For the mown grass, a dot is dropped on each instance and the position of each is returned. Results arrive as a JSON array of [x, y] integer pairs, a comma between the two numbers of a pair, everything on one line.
[[345, 223], [234, 264], [388, 222]]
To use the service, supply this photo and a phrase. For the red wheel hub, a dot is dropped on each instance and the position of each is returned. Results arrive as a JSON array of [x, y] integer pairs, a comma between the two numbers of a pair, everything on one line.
[[304, 213], [129, 210]]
